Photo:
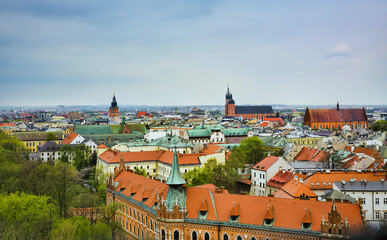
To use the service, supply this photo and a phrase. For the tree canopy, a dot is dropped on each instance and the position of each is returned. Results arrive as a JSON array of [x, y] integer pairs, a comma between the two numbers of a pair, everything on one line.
[[380, 125]]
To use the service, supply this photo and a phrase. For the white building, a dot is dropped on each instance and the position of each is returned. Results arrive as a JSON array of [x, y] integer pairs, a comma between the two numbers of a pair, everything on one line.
[[372, 197], [263, 171]]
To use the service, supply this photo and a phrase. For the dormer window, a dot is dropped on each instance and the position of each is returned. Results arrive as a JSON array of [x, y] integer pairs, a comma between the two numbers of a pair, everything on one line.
[[269, 216], [203, 210], [307, 220], [235, 212]]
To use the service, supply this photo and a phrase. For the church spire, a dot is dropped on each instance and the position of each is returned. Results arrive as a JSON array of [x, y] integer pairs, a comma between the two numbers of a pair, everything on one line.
[[337, 107], [175, 177]]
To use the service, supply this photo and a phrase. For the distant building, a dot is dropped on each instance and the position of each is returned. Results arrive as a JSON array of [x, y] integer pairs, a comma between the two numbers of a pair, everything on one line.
[[335, 118], [114, 113], [246, 112]]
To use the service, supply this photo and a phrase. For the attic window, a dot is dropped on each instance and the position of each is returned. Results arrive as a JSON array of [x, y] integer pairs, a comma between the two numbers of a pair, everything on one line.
[[144, 199], [269, 222], [234, 218], [306, 225]]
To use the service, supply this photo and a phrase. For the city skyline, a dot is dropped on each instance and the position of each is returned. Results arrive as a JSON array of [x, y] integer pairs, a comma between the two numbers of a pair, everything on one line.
[[185, 53]]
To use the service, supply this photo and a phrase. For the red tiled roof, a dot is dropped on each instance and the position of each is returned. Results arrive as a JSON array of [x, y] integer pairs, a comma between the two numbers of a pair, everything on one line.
[[288, 213], [111, 156], [273, 119], [266, 163], [234, 139], [295, 189], [7, 125], [264, 124], [102, 146], [366, 151], [280, 179], [332, 115], [210, 149], [311, 154], [142, 187], [70, 138], [325, 180]]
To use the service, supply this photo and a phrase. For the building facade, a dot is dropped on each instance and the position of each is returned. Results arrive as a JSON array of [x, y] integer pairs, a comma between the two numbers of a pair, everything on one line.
[[335, 118], [246, 112]]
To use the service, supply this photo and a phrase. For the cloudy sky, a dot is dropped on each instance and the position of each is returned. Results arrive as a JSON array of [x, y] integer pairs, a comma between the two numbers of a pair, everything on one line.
[[186, 52]]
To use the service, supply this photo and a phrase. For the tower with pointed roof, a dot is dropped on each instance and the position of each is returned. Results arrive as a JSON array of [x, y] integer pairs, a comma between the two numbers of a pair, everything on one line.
[[114, 113], [230, 104], [174, 205]]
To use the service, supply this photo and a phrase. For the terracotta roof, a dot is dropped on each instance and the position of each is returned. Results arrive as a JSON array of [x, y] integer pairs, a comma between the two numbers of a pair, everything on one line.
[[325, 180], [235, 139], [111, 156], [280, 179], [295, 189], [288, 213], [311, 154], [366, 151], [70, 138], [102, 146], [307, 217], [273, 119], [332, 115], [210, 149], [141, 187], [266, 163], [7, 125], [264, 124]]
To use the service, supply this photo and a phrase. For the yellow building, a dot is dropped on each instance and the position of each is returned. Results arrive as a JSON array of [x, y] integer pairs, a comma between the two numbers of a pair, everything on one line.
[[306, 140], [32, 140]]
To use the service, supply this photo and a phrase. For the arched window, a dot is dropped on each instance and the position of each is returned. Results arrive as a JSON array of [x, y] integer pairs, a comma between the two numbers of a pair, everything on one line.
[[225, 237], [194, 236], [162, 234], [253, 238], [207, 236], [239, 238], [176, 235]]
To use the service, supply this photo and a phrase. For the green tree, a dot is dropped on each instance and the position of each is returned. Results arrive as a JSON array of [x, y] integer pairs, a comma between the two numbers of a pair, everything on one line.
[[50, 137], [141, 172], [24, 216], [250, 151], [380, 125], [64, 175], [82, 156], [93, 159], [80, 228], [66, 152]]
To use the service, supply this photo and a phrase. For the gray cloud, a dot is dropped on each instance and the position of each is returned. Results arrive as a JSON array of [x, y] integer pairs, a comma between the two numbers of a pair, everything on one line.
[[341, 49]]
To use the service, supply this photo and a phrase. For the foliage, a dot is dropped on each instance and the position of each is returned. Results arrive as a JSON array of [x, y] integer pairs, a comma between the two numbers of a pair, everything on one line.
[[24, 216], [212, 172], [141, 172], [50, 137], [64, 176], [93, 159], [80, 228], [250, 150], [65, 153], [380, 125], [79, 155]]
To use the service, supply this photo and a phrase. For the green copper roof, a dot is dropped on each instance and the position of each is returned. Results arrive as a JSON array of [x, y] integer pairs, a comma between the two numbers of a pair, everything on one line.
[[199, 133], [229, 132], [175, 195], [175, 177]]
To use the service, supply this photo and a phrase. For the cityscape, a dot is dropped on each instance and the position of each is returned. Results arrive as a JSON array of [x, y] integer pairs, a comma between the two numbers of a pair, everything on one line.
[[216, 120]]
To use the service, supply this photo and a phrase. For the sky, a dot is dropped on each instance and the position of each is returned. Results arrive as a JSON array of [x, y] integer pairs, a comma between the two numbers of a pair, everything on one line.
[[186, 52]]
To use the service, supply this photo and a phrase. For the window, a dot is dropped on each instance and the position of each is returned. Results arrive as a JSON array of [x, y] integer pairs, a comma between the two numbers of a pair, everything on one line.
[[163, 234], [176, 235], [239, 238], [377, 201], [363, 201], [225, 237], [194, 235], [385, 200], [385, 215], [377, 215], [206, 236]]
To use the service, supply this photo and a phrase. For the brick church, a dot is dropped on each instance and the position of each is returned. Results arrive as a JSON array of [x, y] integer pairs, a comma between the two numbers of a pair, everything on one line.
[[154, 209], [335, 118], [246, 112]]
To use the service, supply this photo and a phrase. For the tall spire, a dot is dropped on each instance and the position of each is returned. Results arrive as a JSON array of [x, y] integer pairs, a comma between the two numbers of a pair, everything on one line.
[[175, 177], [338, 108]]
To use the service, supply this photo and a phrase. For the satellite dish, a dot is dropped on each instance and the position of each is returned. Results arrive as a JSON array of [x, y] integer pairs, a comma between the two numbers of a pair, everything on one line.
[[319, 198]]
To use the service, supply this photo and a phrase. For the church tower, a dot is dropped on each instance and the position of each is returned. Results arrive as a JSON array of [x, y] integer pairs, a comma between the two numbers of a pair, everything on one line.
[[114, 113], [230, 104], [174, 205]]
